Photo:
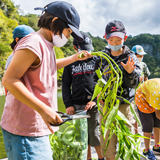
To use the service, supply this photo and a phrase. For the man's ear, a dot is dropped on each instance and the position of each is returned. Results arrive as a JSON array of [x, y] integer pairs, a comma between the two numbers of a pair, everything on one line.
[[105, 37], [16, 39], [125, 38]]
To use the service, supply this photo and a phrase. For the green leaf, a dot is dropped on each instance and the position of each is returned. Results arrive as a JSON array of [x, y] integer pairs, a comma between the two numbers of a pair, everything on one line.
[[124, 127], [113, 120], [121, 116], [101, 82], [96, 92], [99, 73], [129, 153], [126, 141], [133, 112], [71, 141], [110, 136], [136, 153], [111, 117]]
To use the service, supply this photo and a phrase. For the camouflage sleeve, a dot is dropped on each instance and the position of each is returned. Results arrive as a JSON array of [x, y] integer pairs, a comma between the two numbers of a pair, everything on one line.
[[146, 71]]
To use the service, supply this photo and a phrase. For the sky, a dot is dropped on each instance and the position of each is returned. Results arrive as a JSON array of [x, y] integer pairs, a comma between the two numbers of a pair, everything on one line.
[[138, 16]]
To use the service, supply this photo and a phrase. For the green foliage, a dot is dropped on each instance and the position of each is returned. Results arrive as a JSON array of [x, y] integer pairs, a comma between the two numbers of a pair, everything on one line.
[[32, 21], [112, 119], [156, 73], [2, 149], [4, 48], [71, 141], [151, 45], [151, 63], [23, 20], [139, 39], [59, 54], [68, 49], [10, 18], [7, 25], [9, 9], [98, 43]]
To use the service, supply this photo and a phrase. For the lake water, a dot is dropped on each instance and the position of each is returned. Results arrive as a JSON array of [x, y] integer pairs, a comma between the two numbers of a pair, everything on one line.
[[61, 108]]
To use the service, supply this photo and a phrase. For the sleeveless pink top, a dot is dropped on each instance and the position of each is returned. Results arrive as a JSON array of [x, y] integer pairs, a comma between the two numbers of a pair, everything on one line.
[[41, 81]]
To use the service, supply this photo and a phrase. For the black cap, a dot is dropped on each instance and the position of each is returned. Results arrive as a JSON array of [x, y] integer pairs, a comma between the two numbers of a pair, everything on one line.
[[86, 44], [115, 29], [67, 13]]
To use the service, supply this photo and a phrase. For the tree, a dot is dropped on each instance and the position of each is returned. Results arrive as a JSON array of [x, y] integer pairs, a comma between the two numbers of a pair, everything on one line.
[[32, 21], [59, 54], [68, 49], [23, 20], [9, 9], [7, 26], [150, 61], [151, 45], [10, 18], [98, 43]]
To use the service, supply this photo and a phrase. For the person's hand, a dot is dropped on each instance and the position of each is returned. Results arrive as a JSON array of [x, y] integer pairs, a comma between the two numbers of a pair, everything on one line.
[[129, 66], [89, 105], [70, 110], [101, 102], [82, 55], [145, 78], [141, 78], [50, 117]]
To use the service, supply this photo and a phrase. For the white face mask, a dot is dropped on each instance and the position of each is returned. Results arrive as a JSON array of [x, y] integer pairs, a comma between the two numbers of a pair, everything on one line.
[[58, 41], [115, 48], [140, 59]]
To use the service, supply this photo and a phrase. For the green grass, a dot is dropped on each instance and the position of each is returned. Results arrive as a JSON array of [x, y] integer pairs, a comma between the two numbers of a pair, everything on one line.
[[2, 150], [61, 108]]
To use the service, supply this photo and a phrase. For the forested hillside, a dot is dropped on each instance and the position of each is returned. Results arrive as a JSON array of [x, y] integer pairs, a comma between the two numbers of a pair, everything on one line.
[[151, 45], [10, 17]]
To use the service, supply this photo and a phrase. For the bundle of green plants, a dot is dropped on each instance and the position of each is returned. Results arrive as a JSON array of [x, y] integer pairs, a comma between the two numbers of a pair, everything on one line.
[[113, 119], [70, 142]]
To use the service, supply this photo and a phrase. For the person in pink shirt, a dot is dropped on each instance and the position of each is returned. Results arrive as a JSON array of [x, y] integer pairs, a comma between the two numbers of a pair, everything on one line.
[[31, 81]]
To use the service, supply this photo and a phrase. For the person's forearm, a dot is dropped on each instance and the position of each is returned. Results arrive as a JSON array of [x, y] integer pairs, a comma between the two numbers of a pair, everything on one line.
[[19, 91], [65, 61]]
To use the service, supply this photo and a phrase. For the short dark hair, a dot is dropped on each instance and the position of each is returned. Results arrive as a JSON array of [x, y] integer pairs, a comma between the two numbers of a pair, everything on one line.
[[14, 43], [58, 25]]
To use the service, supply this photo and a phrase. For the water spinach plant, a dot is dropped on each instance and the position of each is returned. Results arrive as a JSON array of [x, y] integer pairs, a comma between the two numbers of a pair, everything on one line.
[[113, 119], [70, 142]]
